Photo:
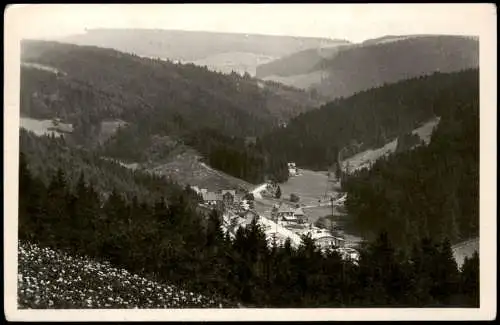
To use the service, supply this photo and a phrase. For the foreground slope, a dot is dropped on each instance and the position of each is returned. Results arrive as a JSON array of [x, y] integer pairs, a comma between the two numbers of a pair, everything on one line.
[[52, 279]]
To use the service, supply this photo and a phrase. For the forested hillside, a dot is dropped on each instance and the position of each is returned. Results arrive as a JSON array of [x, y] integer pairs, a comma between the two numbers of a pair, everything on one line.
[[130, 87], [48, 154], [298, 63], [430, 191], [373, 63], [171, 243], [369, 119], [156, 98]]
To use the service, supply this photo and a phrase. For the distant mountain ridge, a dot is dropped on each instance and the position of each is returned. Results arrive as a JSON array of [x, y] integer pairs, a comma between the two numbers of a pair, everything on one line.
[[190, 46], [372, 63]]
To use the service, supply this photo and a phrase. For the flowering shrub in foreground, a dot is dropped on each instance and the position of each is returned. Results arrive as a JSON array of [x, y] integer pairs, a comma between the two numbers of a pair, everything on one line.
[[52, 279]]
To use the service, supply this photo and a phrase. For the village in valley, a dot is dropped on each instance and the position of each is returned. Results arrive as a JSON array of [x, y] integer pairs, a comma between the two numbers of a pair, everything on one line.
[[280, 216]]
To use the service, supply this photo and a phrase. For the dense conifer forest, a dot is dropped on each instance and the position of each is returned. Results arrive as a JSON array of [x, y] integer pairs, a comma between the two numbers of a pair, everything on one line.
[[351, 68], [427, 191], [369, 119], [172, 242], [47, 154]]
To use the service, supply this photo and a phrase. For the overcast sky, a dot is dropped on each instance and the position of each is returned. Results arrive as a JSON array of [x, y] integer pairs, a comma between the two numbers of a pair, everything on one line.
[[343, 21]]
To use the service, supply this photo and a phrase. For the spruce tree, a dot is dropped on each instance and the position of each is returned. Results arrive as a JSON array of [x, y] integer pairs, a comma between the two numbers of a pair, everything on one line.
[[447, 280], [278, 192], [470, 280]]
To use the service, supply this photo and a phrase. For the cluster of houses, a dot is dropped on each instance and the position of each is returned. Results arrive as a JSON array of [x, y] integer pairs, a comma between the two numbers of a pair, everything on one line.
[[222, 199], [285, 221], [324, 239], [288, 215], [296, 220], [226, 197]]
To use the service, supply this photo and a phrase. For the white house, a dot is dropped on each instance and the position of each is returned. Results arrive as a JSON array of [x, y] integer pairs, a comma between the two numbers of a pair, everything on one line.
[[196, 189], [211, 198], [349, 253], [292, 169], [286, 213], [324, 239], [300, 215]]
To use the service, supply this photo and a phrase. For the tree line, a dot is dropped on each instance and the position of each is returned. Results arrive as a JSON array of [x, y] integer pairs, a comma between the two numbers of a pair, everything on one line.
[[170, 240]]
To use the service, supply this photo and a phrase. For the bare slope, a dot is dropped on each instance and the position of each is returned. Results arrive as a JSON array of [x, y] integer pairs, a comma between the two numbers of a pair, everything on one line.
[[186, 167], [368, 157]]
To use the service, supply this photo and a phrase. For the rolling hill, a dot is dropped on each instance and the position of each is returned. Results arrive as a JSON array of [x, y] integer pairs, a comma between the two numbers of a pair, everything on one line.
[[348, 69], [105, 83], [299, 63], [219, 51], [121, 104]]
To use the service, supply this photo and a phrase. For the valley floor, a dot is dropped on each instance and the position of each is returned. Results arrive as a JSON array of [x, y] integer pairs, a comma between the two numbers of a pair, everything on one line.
[[314, 192]]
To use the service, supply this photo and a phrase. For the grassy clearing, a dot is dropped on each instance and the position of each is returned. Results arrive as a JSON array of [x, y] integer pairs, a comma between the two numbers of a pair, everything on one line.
[[186, 168], [52, 279], [43, 67], [303, 81], [425, 131], [367, 157], [240, 62], [109, 127], [310, 186], [465, 249], [43, 127]]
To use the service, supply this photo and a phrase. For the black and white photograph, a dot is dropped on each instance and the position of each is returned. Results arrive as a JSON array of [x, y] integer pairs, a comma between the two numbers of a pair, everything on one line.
[[250, 161]]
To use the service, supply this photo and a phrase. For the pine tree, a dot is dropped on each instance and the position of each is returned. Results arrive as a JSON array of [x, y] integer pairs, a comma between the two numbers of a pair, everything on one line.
[[57, 214], [376, 263], [447, 279], [215, 236], [470, 280], [27, 227], [278, 192]]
